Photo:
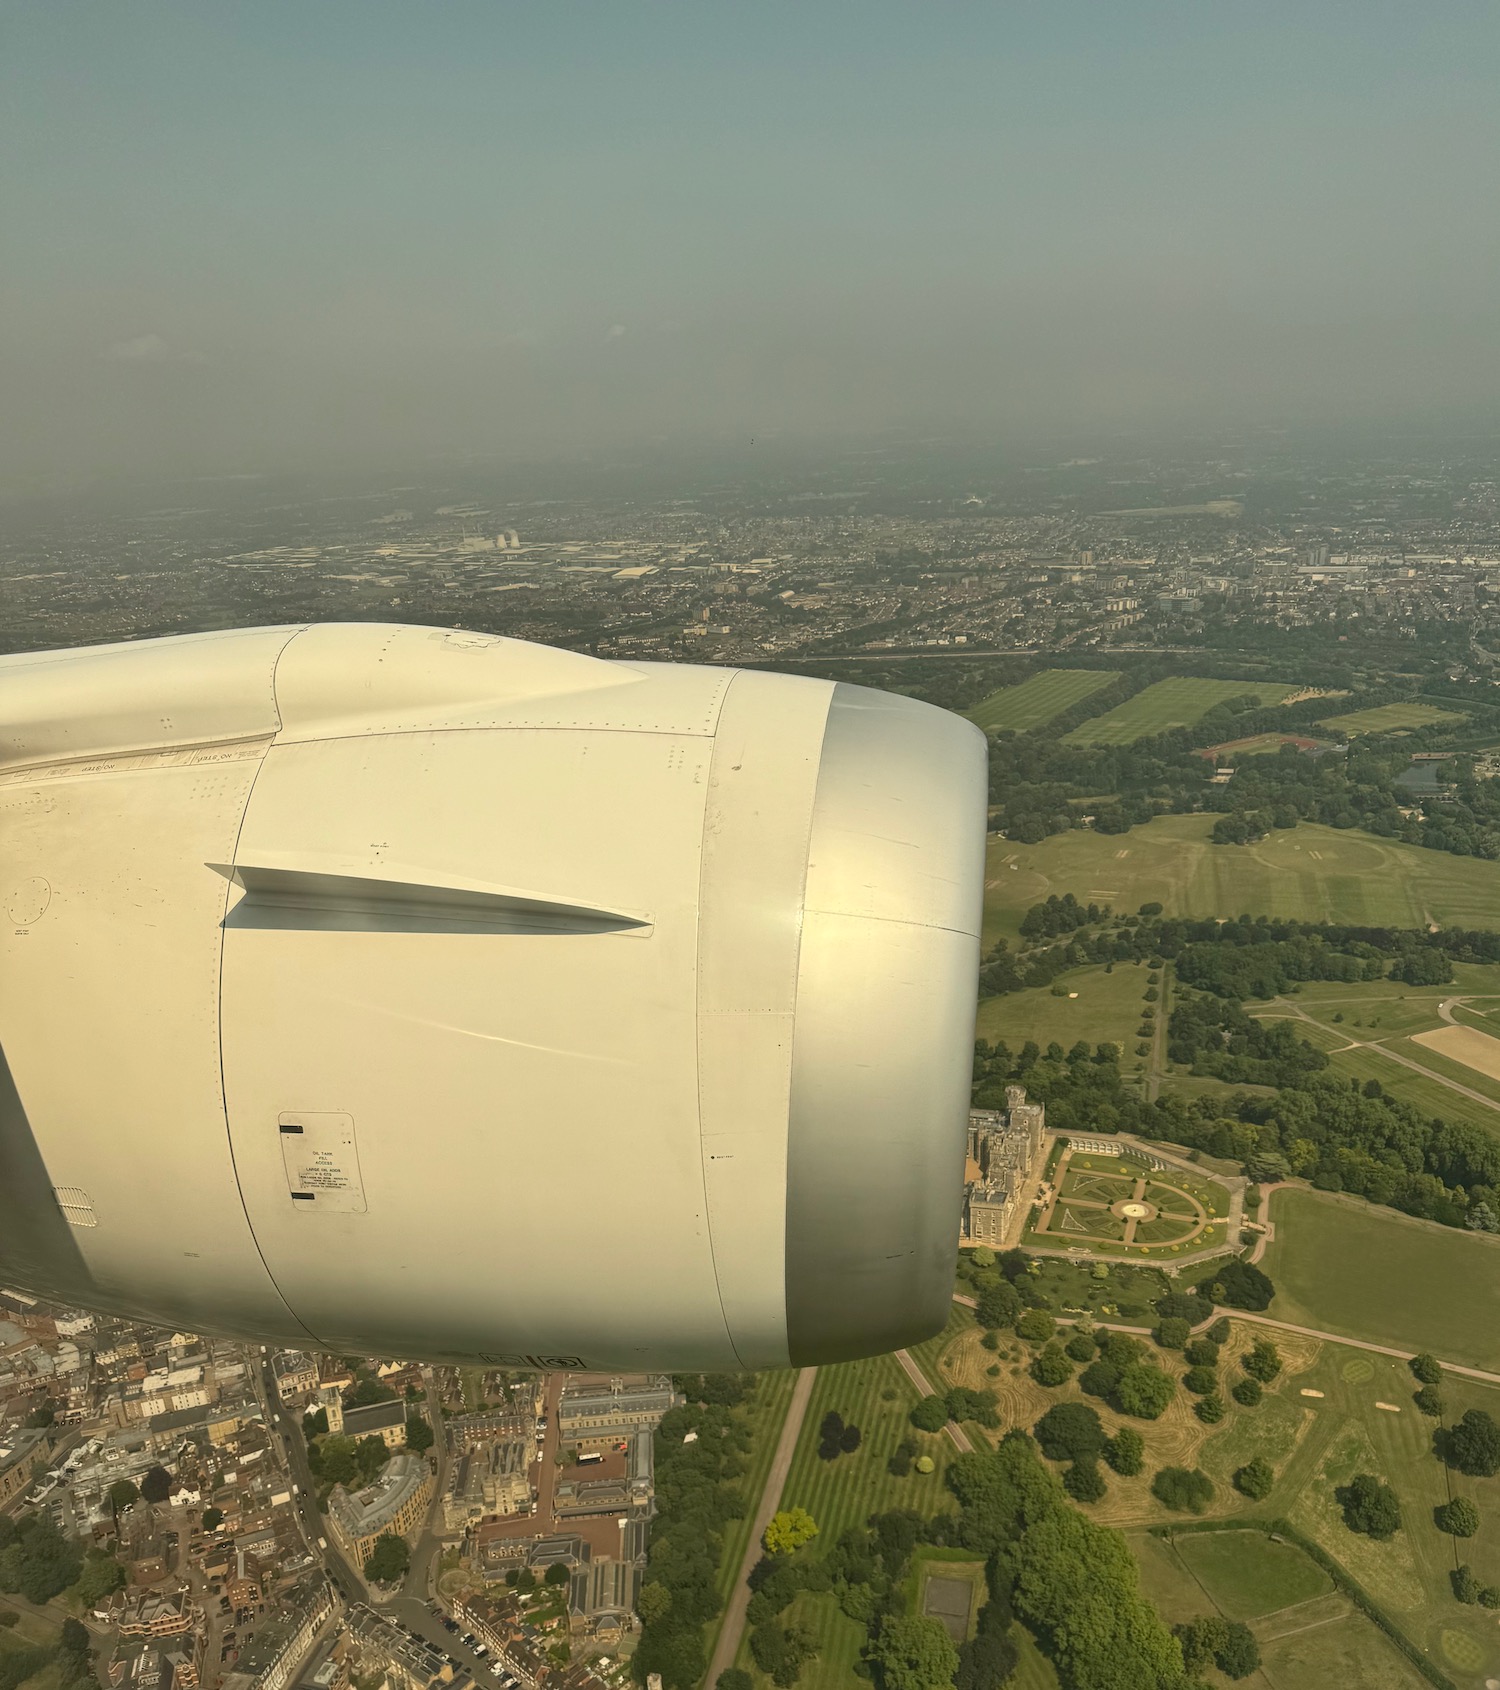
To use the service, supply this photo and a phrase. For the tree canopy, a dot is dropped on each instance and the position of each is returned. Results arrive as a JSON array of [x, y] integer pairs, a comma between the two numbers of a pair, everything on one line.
[[388, 1560], [1188, 1490], [1473, 1444], [1370, 1506], [1070, 1431], [789, 1529], [913, 1652]]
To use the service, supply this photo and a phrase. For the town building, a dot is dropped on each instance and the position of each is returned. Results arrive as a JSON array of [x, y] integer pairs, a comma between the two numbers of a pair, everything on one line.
[[277, 1648], [1005, 1156], [577, 1498], [152, 1613], [601, 1606], [395, 1502], [296, 1375], [488, 1481], [594, 1416], [23, 1455], [408, 1662], [144, 1664], [383, 1420], [467, 1431]]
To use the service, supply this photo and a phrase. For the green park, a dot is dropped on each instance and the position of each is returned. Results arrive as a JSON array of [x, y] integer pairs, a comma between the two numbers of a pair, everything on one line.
[[1179, 702]]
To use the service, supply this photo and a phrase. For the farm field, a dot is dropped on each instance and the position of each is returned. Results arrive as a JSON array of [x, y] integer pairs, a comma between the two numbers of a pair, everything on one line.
[[1319, 1422], [1391, 718], [1308, 872], [1343, 1266], [1175, 703], [1038, 698]]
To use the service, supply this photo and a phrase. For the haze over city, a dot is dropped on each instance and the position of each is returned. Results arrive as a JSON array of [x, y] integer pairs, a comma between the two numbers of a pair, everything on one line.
[[749, 845], [353, 236]]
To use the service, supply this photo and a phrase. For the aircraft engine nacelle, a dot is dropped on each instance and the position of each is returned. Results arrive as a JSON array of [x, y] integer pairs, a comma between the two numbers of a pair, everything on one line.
[[435, 995]]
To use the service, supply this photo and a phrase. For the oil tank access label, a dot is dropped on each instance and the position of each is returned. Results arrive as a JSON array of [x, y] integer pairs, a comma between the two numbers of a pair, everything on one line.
[[322, 1162]]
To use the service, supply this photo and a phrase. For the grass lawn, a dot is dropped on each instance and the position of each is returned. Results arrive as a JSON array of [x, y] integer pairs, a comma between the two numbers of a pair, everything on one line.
[[1174, 703], [1431, 1096], [1123, 1291], [1391, 718], [1248, 1575], [1446, 1068], [876, 1396], [1365, 1272], [1039, 698], [34, 1628], [1107, 1010], [1314, 1442], [1383, 1013], [1308, 872]]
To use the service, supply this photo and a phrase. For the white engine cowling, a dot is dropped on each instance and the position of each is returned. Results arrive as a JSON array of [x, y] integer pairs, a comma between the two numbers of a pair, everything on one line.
[[436, 995]]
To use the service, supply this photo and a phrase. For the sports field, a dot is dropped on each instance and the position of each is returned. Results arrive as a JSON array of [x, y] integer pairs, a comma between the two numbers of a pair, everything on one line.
[[1038, 698], [1174, 703], [1391, 718], [1343, 1266], [1309, 872]]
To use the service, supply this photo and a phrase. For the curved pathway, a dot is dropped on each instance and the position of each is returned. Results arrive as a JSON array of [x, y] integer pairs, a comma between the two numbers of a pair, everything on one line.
[[1284, 1011], [733, 1628], [909, 1367]]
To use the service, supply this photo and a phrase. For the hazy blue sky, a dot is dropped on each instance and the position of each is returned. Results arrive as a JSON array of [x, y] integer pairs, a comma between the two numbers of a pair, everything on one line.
[[236, 235]]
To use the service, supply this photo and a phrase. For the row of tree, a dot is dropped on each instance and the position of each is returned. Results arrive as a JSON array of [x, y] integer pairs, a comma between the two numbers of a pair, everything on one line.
[[696, 1496]]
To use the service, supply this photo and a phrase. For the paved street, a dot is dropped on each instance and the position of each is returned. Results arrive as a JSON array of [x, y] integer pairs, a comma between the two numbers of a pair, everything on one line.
[[421, 1576], [350, 1583], [925, 1387]]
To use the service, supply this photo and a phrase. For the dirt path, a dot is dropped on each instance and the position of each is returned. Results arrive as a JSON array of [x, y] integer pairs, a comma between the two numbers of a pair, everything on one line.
[[957, 1434], [733, 1627]]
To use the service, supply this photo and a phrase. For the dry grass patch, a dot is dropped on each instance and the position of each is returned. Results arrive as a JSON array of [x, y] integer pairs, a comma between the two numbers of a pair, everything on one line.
[[1387, 1570]]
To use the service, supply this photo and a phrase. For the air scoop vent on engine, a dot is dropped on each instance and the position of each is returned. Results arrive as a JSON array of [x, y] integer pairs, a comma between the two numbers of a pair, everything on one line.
[[338, 898]]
